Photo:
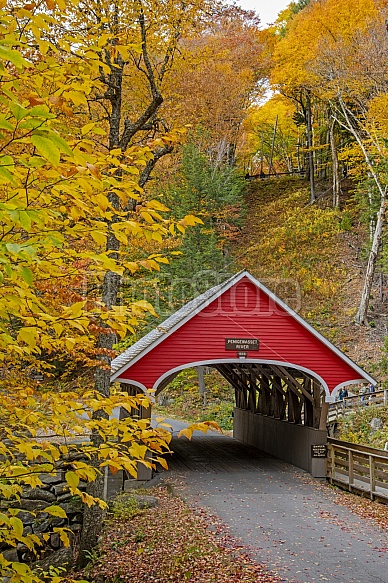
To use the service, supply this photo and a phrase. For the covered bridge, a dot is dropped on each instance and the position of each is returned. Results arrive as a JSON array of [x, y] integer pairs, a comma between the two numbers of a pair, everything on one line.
[[284, 372]]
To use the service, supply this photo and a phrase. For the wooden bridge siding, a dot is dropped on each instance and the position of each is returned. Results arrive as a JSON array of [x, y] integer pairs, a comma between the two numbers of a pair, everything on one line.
[[248, 311]]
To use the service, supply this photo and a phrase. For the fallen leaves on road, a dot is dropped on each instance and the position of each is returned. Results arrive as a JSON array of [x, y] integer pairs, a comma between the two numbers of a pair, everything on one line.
[[171, 543], [365, 508], [360, 505]]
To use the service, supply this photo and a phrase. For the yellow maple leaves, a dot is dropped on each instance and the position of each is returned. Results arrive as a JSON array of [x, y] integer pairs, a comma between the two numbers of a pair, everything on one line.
[[55, 188], [67, 419], [58, 178], [319, 25]]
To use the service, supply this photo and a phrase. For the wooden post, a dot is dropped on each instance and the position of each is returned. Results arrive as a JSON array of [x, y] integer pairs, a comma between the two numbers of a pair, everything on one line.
[[372, 477], [290, 406], [259, 400], [201, 383], [276, 401], [272, 408], [278, 397], [294, 407], [351, 470], [271, 404], [298, 404], [332, 464], [252, 401], [308, 405], [317, 408], [265, 395], [323, 417]]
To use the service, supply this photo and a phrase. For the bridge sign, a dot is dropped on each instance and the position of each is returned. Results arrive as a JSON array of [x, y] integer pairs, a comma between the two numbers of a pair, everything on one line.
[[319, 450], [241, 344]]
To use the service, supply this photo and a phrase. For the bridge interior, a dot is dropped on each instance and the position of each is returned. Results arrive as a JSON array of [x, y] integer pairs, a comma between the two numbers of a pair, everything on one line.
[[273, 390], [279, 409], [212, 453]]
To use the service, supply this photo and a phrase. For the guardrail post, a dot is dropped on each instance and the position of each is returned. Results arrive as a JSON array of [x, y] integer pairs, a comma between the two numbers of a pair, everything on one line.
[[351, 469], [385, 397], [372, 476], [332, 464]]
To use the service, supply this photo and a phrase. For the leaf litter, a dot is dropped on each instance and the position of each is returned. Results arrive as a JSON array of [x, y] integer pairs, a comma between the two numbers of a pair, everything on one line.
[[172, 543], [373, 510]]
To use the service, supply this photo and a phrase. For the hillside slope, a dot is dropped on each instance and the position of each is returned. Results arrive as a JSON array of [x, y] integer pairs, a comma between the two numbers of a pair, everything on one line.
[[309, 255]]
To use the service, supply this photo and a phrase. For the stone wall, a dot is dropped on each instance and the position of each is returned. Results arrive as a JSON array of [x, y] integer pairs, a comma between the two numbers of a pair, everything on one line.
[[33, 501]]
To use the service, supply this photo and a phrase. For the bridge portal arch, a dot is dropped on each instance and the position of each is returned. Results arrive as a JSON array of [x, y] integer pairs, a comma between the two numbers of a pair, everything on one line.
[[166, 378]]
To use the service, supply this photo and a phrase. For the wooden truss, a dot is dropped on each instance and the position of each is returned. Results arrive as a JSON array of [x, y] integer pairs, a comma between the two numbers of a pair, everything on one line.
[[276, 391]]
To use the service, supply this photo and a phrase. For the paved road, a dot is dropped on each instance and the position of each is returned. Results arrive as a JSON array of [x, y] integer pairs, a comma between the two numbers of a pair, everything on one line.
[[288, 520]]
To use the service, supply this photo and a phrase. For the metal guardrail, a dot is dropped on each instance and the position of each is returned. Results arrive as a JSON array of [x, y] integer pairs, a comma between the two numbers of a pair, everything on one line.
[[358, 468], [341, 408]]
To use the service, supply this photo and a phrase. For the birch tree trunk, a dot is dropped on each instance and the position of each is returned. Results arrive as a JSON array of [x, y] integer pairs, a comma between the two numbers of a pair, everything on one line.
[[372, 261], [348, 120]]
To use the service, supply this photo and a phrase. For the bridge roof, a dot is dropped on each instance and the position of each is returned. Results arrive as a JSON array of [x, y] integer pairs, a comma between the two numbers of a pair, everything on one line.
[[176, 319], [240, 307]]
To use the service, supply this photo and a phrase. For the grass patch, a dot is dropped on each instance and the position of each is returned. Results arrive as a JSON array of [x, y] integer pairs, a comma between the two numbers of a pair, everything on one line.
[[124, 508]]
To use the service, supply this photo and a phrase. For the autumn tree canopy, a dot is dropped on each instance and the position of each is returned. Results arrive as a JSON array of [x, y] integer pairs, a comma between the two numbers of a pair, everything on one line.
[[218, 73]]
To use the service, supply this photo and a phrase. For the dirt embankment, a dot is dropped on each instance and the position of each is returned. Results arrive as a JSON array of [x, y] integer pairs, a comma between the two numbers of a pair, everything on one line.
[[314, 258]]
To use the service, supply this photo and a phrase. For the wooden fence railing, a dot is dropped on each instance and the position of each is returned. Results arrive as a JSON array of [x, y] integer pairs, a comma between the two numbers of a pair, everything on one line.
[[358, 468], [340, 408]]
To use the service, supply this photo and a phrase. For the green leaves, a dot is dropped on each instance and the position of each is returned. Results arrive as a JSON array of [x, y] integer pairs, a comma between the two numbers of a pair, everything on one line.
[[18, 111], [13, 56], [6, 169], [46, 148], [27, 275], [5, 124]]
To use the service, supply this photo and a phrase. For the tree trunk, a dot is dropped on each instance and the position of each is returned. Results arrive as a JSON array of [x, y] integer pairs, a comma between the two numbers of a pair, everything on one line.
[[201, 383], [121, 134], [334, 158], [370, 271], [273, 146], [309, 136], [350, 122]]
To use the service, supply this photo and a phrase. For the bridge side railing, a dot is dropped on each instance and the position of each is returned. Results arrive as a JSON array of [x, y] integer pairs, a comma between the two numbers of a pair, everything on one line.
[[340, 408], [358, 468]]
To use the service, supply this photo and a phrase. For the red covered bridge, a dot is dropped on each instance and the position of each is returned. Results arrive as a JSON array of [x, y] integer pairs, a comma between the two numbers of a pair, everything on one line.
[[283, 371]]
